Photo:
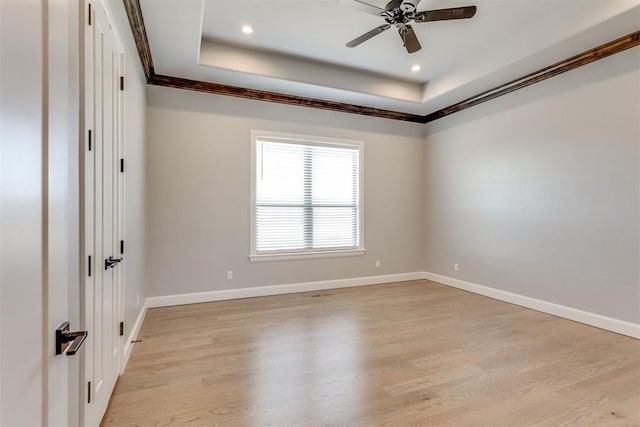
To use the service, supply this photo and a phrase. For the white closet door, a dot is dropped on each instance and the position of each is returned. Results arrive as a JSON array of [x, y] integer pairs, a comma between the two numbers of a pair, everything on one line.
[[102, 290]]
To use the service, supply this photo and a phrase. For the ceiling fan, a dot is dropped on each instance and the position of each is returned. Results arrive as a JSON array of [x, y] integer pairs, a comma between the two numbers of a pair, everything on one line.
[[399, 13]]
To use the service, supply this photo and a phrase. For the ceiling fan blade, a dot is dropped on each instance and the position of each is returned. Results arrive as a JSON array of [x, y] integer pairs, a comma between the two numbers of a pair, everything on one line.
[[366, 36], [368, 7], [445, 14], [409, 39]]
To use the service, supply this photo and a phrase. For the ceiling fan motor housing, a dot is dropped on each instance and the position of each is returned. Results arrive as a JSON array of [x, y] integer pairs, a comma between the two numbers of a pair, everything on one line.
[[398, 12], [408, 6]]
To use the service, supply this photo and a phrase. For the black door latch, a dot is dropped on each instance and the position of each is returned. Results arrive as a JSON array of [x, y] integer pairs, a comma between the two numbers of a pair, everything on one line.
[[111, 262], [64, 336]]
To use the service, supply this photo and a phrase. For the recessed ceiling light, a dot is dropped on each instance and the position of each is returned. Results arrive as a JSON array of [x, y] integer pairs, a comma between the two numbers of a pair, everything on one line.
[[247, 29], [415, 68]]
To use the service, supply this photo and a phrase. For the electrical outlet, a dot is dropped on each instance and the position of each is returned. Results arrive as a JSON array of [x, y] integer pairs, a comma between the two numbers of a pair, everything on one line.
[[137, 299], [377, 263], [229, 275], [456, 267]]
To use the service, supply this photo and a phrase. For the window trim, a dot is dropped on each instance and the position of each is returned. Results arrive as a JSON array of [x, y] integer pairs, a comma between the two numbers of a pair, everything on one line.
[[255, 256]]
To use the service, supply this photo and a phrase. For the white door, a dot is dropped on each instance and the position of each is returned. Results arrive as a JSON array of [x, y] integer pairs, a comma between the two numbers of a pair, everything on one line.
[[39, 283], [22, 219], [102, 293], [61, 238]]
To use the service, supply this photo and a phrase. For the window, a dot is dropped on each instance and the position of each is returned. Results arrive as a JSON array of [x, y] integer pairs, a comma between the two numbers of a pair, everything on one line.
[[306, 196]]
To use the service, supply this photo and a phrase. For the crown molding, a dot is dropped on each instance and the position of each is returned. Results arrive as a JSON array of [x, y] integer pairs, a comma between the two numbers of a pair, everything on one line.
[[136, 22]]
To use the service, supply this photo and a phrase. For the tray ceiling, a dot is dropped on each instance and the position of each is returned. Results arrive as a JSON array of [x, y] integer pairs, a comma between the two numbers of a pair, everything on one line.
[[297, 47]]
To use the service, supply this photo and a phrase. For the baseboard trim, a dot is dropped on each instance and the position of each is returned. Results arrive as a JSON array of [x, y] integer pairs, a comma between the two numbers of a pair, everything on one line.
[[260, 291], [588, 318], [592, 319], [128, 345]]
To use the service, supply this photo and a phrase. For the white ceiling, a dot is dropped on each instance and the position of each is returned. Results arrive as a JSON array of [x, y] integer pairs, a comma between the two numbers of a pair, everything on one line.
[[298, 46]]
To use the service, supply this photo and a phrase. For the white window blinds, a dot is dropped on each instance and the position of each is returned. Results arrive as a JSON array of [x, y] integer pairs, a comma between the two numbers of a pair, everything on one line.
[[307, 196]]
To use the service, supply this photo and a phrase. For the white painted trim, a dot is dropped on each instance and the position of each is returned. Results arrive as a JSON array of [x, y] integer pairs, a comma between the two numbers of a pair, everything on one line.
[[259, 291], [254, 256], [592, 319], [112, 21], [128, 346], [290, 256]]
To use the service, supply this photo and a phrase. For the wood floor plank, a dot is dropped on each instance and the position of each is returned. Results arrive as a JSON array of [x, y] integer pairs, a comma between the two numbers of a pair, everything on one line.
[[410, 353]]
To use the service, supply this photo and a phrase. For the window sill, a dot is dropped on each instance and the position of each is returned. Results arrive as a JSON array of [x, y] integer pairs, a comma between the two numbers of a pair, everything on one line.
[[289, 256]]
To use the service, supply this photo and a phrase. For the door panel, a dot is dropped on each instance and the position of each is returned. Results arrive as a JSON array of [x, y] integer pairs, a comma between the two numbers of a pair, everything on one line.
[[102, 293]]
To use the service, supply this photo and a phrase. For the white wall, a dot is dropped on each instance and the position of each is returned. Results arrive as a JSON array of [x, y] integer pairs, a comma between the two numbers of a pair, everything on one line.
[[538, 192], [135, 172], [535, 193], [198, 189], [22, 318]]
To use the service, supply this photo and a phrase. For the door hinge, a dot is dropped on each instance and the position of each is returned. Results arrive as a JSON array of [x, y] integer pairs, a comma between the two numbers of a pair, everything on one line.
[[121, 165], [89, 13], [89, 267], [121, 82], [89, 139], [121, 247], [89, 392], [121, 328]]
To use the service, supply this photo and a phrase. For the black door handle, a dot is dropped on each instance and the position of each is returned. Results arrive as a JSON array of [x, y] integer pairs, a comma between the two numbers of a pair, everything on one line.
[[111, 262], [64, 336]]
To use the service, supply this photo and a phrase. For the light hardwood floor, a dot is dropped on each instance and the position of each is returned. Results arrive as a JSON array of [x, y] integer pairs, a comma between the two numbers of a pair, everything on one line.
[[411, 353]]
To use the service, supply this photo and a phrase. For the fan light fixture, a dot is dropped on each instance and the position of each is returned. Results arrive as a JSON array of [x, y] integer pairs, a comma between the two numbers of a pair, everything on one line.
[[415, 68], [247, 29]]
